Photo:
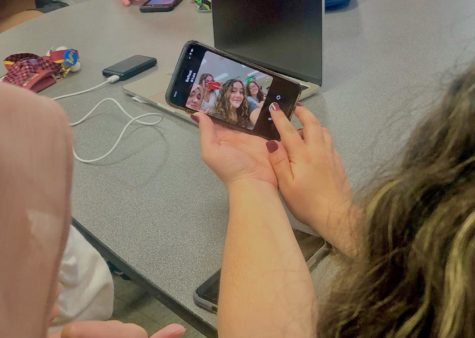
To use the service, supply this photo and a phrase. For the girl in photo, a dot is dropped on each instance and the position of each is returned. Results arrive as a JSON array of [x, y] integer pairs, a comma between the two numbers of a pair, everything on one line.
[[254, 94], [209, 95], [231, 105], [195, 98]]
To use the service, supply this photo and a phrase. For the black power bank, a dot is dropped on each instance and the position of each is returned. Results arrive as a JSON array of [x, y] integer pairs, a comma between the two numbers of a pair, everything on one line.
[[130, 67]]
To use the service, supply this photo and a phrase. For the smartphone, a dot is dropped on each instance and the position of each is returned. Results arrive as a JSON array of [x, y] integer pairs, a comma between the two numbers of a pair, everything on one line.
[[159, 5], [207, 294], [232, 91], [130, 67]]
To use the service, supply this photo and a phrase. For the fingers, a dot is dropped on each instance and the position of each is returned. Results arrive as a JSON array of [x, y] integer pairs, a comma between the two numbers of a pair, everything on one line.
[[208, 136], [312, 129], [327, 139], [312, 133], [170, 331], [306, 116], [116, 329], [103, 329], [280, 163], [289, 136], [128, 2]]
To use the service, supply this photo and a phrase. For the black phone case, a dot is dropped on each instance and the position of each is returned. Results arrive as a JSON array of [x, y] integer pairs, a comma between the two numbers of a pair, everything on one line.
[[199, 296], [130, 72]]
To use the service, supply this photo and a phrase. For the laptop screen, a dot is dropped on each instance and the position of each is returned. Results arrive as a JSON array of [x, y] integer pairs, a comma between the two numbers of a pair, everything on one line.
[[284, 36]]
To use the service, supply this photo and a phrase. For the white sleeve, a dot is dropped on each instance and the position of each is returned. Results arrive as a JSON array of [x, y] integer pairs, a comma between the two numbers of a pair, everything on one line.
[[86, 289]]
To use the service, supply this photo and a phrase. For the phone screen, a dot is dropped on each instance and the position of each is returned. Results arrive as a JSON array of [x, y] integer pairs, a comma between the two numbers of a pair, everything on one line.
[[231, 91]]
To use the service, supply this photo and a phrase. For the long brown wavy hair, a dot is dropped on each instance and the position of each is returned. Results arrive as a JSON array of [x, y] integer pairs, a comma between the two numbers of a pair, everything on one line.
[[206, 91], [415, 275], [223, 107], [260, 94], [203, 77]]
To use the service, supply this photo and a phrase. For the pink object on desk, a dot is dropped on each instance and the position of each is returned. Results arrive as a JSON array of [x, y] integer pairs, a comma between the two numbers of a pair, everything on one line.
[[129, 2]]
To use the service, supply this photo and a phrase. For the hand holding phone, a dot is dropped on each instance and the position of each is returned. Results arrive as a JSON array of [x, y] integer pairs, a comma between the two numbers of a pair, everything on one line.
[[233, 92]]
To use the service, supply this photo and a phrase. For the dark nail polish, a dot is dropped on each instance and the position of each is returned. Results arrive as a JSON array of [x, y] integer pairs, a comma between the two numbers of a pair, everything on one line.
[[274, 106], [271, 146], [195, 118]]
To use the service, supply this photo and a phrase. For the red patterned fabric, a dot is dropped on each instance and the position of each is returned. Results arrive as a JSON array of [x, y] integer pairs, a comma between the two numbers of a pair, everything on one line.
[[24, 67]]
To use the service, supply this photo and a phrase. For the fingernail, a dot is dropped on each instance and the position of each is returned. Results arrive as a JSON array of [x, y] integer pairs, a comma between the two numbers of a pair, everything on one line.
[[195, 118], [271, 146], [299, 104], [274, 106]]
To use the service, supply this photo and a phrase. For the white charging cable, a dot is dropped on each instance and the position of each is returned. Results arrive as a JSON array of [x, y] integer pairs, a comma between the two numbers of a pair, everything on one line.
[[111, 79]]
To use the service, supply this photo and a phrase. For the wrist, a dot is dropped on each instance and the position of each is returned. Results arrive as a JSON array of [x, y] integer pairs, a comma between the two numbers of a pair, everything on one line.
[[331, 214], [338, 227], [241, 184]]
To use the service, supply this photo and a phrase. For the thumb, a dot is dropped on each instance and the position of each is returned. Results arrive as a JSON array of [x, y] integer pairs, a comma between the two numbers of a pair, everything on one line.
[[208, 136], [280, 162], [170, 331]]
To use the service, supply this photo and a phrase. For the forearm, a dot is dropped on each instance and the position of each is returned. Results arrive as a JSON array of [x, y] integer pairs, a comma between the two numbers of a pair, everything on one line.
[[339, 229], [266, 289]]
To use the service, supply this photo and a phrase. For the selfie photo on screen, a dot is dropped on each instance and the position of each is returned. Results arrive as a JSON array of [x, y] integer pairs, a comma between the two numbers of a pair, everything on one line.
[[229, 91]]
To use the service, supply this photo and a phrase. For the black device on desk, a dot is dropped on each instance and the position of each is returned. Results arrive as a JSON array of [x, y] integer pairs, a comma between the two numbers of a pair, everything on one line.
[[159, 5], [129, 67], [206, 295], [284, 36]]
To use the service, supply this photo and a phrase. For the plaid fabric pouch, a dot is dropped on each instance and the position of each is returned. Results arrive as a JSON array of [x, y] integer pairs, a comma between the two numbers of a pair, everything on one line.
[[31, 71], [36, 73]]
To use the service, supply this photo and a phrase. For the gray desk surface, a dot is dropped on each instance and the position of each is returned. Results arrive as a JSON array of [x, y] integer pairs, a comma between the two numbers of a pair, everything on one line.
[[153, 203]]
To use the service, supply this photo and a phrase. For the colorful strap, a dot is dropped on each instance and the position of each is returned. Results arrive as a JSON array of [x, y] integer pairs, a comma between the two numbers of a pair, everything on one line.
[[68, 57]]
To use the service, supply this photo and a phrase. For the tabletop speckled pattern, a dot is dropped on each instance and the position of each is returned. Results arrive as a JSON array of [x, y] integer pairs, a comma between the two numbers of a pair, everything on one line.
[[153, 202]]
